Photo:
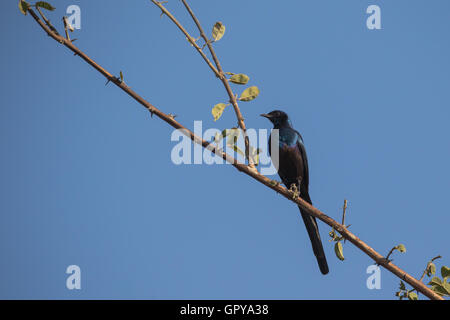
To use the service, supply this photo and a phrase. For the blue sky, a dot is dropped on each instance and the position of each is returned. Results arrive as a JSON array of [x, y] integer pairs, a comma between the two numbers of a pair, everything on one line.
[[86, 174]]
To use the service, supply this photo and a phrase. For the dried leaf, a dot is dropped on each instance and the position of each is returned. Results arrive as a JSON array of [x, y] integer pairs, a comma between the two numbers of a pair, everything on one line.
[[249, 94], [431, 269], [339, 251], [412, 296], [445, 271], [23, 6], [218, 110], [218, 31]]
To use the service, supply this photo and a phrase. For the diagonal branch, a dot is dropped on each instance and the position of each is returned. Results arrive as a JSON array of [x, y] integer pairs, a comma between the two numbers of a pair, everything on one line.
[[378, 258]]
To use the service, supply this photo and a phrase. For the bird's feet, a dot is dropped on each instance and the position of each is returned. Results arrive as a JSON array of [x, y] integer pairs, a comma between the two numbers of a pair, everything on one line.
[[295, 192]]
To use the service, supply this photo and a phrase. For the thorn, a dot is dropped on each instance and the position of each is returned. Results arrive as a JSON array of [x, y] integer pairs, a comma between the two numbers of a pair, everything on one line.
[[109, 80]]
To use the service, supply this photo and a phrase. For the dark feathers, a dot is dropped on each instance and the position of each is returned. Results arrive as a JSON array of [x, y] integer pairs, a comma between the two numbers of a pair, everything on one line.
[[293, 169]]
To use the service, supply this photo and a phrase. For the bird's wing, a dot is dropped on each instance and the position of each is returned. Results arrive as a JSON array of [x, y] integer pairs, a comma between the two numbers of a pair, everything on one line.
[[302, 149]]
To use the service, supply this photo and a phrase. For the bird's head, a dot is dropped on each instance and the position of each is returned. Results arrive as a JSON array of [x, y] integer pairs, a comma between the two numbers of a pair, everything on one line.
[[277, 117]]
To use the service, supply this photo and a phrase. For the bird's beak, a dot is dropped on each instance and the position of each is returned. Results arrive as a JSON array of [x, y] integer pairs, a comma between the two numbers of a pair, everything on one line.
[[265, 115]]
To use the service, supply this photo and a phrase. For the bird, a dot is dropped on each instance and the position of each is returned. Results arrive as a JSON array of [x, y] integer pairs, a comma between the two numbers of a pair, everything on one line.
[[293, 170]]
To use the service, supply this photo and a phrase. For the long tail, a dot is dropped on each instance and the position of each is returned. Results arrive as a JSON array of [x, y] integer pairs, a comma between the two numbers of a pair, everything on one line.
[[314, 236]]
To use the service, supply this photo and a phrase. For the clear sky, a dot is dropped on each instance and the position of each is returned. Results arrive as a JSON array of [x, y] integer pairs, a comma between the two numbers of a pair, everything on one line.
[[86, 176]]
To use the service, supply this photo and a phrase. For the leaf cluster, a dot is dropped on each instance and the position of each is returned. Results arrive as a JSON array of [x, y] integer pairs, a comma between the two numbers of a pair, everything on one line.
[[24, 6], [440, 285]]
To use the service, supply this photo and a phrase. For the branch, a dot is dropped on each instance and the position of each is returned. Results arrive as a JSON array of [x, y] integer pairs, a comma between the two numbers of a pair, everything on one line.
[[47, 22], [191, 40], [220, 74], [378, 258], [428, 266], [64, 19]]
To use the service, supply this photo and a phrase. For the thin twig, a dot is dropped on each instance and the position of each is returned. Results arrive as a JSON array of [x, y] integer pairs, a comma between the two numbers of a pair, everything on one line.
[[389, 254], [246, 169], [65, 28], [226, 84], [47, 21], [344, 211], [188, 36], [344, 208], [428, 266]]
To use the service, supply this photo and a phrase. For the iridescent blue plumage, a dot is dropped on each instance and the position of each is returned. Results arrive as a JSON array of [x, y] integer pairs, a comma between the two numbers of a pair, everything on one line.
[[289, 137], [293, 169]]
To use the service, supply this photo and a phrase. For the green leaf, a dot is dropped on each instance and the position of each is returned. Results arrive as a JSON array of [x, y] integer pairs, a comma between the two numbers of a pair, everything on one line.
[[332, 234], [23, 6], [439, 290], [431, 269], [446, 286], [121, 76], [339, 251], [218, 31], [412, 296], [239, 78], [45, 5], [218, 110], [249, 94], [401, 248], [402, 285], [445, 271], [435, 281]]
